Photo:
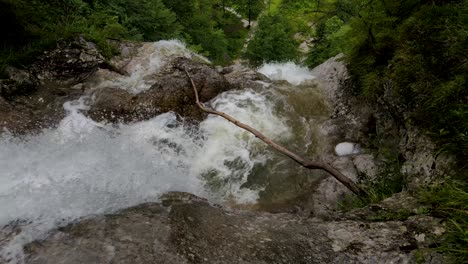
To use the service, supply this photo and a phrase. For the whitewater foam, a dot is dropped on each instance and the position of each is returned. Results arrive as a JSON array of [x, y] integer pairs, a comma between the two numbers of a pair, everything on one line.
[[83, 167], [150, 58], [288, 71]]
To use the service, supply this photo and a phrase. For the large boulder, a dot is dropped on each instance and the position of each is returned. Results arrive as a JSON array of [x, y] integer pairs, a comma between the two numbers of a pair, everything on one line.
[[32, 99], [242, 76], [187, 229], [172, 91], [31, 112], [68, 64]]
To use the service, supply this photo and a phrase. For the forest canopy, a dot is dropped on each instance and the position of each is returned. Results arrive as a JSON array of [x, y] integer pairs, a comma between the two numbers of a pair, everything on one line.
[[29, 27]]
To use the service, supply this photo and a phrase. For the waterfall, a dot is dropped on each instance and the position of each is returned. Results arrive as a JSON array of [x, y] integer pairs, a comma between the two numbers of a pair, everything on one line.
[[83, 168]]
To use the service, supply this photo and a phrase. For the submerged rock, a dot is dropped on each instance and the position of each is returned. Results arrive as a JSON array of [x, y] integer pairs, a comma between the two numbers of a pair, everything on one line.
[[187, 229]]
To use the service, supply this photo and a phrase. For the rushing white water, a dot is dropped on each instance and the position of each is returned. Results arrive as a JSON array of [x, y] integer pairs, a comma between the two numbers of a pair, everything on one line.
[[290, 72], [83, 167], [227, 144], [150, 59]]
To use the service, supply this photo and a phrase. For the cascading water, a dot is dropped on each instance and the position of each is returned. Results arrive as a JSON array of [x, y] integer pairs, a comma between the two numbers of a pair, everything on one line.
[[150, 58], [83, 168], [289, 71]]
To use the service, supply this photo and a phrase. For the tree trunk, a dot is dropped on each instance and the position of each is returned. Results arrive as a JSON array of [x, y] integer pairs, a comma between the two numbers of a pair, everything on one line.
[[249, 11]]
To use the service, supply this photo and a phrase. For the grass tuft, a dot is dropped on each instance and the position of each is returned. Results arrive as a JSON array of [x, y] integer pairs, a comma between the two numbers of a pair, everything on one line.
[[449, 200]]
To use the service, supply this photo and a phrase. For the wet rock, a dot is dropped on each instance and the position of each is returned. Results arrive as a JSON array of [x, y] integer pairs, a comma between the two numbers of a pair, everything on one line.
[[35, 96], [379, 127], [187, 229], [14, 121], [113, 104], [20, 82], [329, 192], [29, 113], [333, 75], [366, 165], [127, 52], [244, 77], [68, 64], [172, 91]]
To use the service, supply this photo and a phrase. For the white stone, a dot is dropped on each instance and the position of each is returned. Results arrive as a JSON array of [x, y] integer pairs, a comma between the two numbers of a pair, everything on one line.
[[347, 148]]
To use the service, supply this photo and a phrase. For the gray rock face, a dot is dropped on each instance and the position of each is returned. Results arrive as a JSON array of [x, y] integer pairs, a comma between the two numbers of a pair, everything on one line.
[[171, 92], [243, 77], [20, 82], [69, 63], [33, 99], [355, 121], [343, 126], [187, 229]]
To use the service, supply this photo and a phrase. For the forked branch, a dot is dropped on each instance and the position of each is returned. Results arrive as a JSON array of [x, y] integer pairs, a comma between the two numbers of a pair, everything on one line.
[[302, 161]]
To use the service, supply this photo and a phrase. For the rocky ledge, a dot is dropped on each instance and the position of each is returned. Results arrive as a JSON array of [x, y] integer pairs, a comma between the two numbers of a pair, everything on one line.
[[32, 99], [187, 229], [172, 91]]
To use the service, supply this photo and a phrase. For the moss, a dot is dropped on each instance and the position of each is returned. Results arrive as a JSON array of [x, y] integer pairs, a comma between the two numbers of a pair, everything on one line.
[[419, 256], [384, 215]]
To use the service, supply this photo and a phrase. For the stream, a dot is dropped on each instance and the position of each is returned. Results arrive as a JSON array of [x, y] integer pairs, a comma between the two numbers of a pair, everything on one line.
[[82, 168]]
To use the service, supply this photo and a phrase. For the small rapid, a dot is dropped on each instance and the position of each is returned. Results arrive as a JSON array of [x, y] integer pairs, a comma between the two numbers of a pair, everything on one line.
[[83, 168], [289, 71]]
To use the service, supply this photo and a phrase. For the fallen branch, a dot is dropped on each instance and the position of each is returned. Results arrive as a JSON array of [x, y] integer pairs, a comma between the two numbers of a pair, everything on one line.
[[303, 162]]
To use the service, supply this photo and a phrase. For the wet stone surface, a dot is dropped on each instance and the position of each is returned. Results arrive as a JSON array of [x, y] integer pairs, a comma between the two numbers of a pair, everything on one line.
[[172, 91], [187, 229]]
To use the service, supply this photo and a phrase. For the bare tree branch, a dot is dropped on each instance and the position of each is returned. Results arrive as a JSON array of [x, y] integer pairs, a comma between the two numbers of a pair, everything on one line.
[[302, 161]]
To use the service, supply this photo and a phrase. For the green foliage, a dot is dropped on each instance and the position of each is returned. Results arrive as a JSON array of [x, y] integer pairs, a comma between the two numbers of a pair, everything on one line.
[[411, 54], [273, 6], [39, 24], [30, 27], [399, 215], [147, 20], [273, 41], [450, 200], [388, 182], [328, 39], [218, 33], [250, 8]]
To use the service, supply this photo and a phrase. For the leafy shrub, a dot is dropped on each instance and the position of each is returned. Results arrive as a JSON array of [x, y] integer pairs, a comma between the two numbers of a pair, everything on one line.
[[273, 41], [411, 53]]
